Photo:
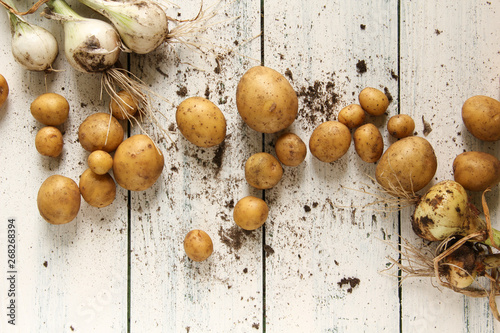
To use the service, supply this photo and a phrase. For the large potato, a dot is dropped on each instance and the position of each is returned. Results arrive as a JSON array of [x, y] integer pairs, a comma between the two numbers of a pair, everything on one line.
[[198, 245], [408, 165], [137, 163], [481, 116], [476, 171], [250, 212], [201, 122], [265, 100], [368, 143], [97, 190], [263, 171], [100, 131], [330, 141], [58, 199], [50, 109]]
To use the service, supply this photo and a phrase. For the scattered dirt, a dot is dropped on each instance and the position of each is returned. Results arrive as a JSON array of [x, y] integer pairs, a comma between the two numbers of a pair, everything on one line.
[[318, 102], [207, 92], [288, 74], [361, 67], [427, 126], [45, 263], [269, 250], [437, 32], [182, 92], [219, 155], [233, 237], [307, 208], [352, 282], [256, 326], [362, 26], [394, 75], [388, 94]]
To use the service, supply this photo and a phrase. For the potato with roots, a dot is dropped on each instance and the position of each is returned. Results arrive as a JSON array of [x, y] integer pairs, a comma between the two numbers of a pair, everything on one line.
[[476, 171], [123, 106], [58, 199]]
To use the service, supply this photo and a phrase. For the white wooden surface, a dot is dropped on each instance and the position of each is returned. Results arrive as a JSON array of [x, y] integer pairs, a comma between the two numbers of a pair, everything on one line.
[[123, 268]]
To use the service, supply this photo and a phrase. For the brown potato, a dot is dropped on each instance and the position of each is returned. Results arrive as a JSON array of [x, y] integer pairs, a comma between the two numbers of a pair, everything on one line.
[[290, 149], [49, 141], [476, 171], [50, 109], [201, 122], [4, 90], [123, 106], [58, 199], [481, 116], [373, 101], [265, 100], [250, 213], [263, 171], [137, 163], [97, 190], [368, 143], [100, 131], [198, 245], [400, 126], [100, 162], [330, 141], [352, 116]]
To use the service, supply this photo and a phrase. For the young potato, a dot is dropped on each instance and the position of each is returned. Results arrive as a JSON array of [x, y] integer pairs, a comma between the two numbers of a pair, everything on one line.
[[201, 122], [330, 141], [50, 109], [263, 171], [4, 90], [352, 116], [368, 143], [373, 101], [290, 149], [58, 199], [250, 213], [400, 126], [137, 163], [408, 165], [265, 100], [100, 131], [100, 162], [476, 171], [49, 141], [198, 245], [481, 116], [124, 106], [97, 190]]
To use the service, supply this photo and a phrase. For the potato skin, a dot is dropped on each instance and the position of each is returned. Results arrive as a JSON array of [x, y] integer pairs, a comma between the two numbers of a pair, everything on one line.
[[250, 213], [50, 109], [373, 101], [481, 116], [93, 132], [352, 116], [408, 164], [476, 171], [400, 126], [123, 106], [201, 122], [290, 149], [100, 162], [198, 245], [330, 141], [368, 143], [265, 100], [137, 163], [4, 90], [97, 190], [49, 141], [58, 199], [263, 171]]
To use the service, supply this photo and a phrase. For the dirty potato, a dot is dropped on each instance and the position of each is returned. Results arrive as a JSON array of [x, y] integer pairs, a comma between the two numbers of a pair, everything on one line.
[[476, 171], [368, 143], [330, 141], [123, 105], [290, 149], [373, 101], [400, 126], [4, 90], [250, 213], [100, 162], [49, 141], [100, 131], [481, 116], [50, 109], [198, 245], [263, 171], [58, 199], [352, 116], [97, 190]]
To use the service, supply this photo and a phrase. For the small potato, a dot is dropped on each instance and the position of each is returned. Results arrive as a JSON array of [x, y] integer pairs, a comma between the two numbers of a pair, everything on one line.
[[400, 126], [4, 90], [265, 100], [58, 199], [481, 116], [49, 141], [250, 213], [290, 149], [123, 106], [137, 163], [330, 141], [373, 101], [100, 131], [368, 143], [198, 245], [50, 109], [352, 116], [100, 162], [263, 171], [476, 171], [97, 190], [201, 122]]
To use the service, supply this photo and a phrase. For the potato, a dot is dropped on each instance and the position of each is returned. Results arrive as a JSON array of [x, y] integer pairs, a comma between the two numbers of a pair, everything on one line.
[[97, 190], [352, 116], [476, 171], [263, 171], [198, 245], [290, 149], [123, 106], [50, 109], [368, 143], [58, 199], [100, 162], [4, 90], [330, 141], [250, 213], [481, 116], [137, 163], [49, 141], [400, 126], [265, 100], [408, 165], [373, 101], [100, 131], [201, 122]]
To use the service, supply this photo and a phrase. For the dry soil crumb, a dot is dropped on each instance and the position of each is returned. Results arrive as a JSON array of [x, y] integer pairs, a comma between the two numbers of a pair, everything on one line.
[[352, 282]]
